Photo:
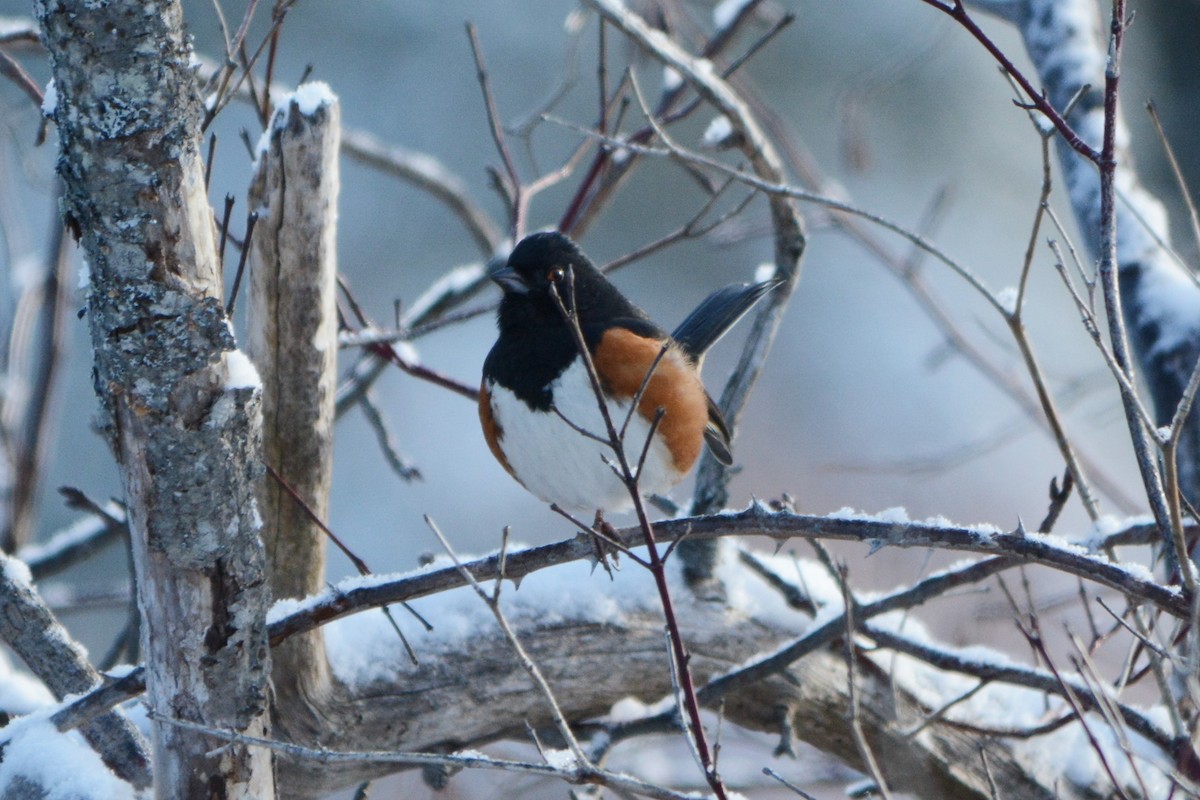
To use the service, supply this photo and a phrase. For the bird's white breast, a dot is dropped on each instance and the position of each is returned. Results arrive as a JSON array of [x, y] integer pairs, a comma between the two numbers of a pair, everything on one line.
[[561, 465]]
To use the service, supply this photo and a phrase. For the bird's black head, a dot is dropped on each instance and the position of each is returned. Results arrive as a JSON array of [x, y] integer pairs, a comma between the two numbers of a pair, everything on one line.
[[541, 260], [541, 264], [536, 343]]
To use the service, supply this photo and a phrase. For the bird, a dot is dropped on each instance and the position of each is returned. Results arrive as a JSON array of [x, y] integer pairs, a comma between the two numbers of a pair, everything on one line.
[[537, 403]]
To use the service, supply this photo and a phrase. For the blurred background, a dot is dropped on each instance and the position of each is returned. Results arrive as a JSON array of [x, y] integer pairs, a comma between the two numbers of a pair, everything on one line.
[[863, 404]]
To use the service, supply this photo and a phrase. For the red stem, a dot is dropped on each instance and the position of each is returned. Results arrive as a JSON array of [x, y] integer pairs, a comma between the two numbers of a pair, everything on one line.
[[958, 12]]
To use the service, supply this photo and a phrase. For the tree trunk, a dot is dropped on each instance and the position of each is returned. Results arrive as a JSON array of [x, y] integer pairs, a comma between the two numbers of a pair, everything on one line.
[[179, 404]]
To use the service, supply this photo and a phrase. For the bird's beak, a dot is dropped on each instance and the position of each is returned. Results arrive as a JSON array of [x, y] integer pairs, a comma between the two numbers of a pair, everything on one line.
[[510, 281]]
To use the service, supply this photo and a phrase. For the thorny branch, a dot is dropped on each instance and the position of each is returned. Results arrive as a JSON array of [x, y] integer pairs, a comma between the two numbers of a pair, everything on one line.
[[564, 291]]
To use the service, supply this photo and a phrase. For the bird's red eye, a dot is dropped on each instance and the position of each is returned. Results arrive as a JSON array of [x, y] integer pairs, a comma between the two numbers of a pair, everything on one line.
[[555, 274]]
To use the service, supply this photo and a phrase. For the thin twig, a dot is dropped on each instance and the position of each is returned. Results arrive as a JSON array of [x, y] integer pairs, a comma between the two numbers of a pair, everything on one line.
[[358, 563], [956, 10], [527, 663], [1110, 284], [320, 755], [562, 291], [1193, 215], [12, 69], [517, 223], [1016, 324], [856, 728]]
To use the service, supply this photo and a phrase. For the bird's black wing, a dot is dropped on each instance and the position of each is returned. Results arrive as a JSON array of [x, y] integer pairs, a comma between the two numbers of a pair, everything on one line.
[[716, 315]]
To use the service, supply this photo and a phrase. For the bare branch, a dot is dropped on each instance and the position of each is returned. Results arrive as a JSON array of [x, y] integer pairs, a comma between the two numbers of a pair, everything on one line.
[[31, 630]]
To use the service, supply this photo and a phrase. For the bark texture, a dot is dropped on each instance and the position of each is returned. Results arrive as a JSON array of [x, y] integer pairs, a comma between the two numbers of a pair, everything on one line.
[[186, 437], [293, 341], [477, 692]]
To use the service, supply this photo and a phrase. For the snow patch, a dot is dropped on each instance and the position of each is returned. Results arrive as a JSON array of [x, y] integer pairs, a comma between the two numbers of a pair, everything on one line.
[[62, 764], [717, 132], [363, 648], [671, 79], [27, 271], [725, 12], [1174, 300], [240, 372], [764, 272], [561, 760], [893, 515], [50, 99], [16, 572], [751, 595], [312, 96], [81, 530], [451, 284], [1007, 298], [573, 23], [408, 353], [309, 98], [20, 692]]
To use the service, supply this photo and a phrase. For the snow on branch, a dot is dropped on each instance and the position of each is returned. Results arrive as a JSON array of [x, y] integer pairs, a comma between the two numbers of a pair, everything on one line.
[[1160, 299], [32, 631]]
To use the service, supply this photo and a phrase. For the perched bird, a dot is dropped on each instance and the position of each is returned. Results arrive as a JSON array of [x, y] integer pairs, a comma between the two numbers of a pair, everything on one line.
[[540, 413]]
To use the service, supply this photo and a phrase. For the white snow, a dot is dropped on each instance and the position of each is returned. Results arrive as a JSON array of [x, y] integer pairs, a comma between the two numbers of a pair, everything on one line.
[[26, 272], [310, 97], [407, 352], [671, 79], [20, 692], [240, 372], [16, 26], [628, 709], [764, 272], [453, 282], [1007, 298], [1058, 542], [1174, 300], [562, 760], [263, 146], [82, 529], [752, 596], [1109, 524], [16, 571], [1080, 61], [893, 515], [726, 12], [364, 648], [119, 671], [63, 764], [574, 21], [50, 99], [717, 131], [1070, 747], [85, 273]]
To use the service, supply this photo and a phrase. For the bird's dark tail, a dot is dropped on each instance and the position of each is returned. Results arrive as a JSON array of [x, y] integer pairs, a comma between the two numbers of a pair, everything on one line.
[[717, 314]]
